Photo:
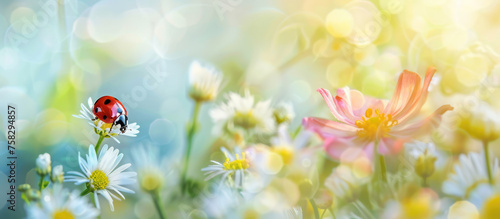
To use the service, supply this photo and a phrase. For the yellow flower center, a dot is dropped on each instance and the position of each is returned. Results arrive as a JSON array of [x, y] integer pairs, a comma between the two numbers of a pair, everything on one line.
[[376, 125], [150, 181], [245, 120], [285, 152], [63, 214], [238, 164], [99, 180]]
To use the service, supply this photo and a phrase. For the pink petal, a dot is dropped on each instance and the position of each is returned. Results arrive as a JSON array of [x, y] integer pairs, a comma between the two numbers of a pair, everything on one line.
[[421, 127], [414, 108], [372, 103], [328, 129], [336, 147], [407, 91], [329, 101], [388, 146], [339, 107]]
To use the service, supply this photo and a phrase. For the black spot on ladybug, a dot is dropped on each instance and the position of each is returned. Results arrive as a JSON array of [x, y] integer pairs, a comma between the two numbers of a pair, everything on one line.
[[107, 101], [95, 109], [104, 117]]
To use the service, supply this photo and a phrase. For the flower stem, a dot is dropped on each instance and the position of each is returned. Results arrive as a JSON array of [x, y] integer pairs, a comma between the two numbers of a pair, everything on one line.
[[424, 182], [190, 135], [487, 160], [383, 170], [40, 184], [296, 132], [158, 205], [98, 144], [381, 160], [331, 212], [315, 208], [85, 192]]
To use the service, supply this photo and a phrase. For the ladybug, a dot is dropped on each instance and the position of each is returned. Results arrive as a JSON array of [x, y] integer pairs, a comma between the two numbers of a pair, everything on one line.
[[110, 110]]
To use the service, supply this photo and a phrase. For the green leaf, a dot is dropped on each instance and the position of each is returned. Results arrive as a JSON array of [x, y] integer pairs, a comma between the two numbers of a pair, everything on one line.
[[45, 184]]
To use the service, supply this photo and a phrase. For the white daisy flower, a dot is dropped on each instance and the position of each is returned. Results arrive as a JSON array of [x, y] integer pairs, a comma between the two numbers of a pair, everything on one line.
[[60, 203], [283, 113], [293, 150], [151, 171], [204, 82], [102, 128], [43, 163], [232, 170], [102, 175], [241, 114], [470, 179]]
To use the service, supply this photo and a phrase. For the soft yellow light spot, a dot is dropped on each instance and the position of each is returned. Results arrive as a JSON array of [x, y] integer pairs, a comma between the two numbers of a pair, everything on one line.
[[491, 208], [237, 164], [419, 206], [375, 126], [463, 210], [339, 23], [339, 73], [286, 153], [99, 180], [63, 214]]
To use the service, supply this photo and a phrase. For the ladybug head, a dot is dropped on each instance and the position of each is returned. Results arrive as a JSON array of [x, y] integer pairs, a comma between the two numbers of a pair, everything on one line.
[[122, 120]]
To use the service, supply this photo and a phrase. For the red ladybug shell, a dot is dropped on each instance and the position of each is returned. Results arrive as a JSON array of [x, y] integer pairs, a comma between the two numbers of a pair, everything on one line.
[[108, 108]]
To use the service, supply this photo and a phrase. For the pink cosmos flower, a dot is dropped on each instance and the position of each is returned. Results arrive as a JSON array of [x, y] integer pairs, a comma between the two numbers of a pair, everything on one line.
[[364, 121]]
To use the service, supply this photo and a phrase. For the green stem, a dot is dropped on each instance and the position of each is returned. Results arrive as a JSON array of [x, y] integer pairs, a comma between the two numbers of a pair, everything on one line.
[[315, 208], [381, 160], [190, 135], [40, 184], [322, 214], [85, 192], [296, 132], [158, 205], [487, 160], [331, 212], [383, 170], [98, 144], [424, 182]]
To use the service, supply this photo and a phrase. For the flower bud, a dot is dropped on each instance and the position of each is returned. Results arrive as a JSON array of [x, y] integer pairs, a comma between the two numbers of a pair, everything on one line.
[[424, 165], [33, 195], [306, 188], [24, 187], [43, 164], [204, 82], [57, 174], [283, 113]]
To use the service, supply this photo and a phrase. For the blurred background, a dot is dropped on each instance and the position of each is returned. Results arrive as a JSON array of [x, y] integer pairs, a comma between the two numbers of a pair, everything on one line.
[[55, 54]]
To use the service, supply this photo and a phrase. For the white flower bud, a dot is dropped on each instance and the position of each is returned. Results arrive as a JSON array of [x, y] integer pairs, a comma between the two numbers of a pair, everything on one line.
[[43, 163]]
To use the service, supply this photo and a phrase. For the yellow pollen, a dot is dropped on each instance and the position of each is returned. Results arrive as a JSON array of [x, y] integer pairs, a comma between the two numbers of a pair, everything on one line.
[[63, 214], [375, 126], [99, 180], [237, 164]]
